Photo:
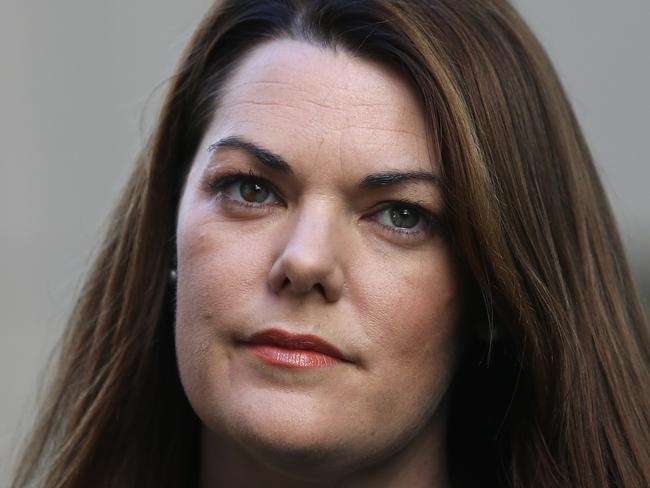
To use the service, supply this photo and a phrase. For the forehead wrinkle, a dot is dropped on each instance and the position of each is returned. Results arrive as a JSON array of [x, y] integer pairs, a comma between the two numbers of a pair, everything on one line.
[[285, 77], [340, 95], [405, 147], [345, 144], [273, 83], [347, 121], [243, 92], [394, 130]]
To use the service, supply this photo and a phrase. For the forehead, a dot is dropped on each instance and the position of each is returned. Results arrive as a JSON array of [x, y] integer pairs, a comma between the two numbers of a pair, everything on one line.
[[316, 104]]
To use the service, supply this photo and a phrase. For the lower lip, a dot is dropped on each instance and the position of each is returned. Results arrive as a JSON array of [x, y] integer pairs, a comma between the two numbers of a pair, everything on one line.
[[293, 358]]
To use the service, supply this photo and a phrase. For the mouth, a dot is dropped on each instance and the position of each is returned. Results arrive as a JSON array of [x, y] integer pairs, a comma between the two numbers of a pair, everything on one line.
[[280, 348]]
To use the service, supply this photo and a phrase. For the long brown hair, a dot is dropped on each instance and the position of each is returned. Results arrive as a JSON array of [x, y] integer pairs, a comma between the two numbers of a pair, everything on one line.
[[562, 401]]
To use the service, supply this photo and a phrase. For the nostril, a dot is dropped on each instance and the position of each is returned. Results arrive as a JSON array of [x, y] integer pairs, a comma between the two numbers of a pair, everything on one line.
[[292, 275], [303, 287]]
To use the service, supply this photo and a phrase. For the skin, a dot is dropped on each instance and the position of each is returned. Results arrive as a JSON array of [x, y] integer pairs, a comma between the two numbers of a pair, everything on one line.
[[317, 257]]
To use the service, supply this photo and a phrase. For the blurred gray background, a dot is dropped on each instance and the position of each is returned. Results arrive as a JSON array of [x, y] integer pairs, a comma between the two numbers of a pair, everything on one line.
[[81, 86]]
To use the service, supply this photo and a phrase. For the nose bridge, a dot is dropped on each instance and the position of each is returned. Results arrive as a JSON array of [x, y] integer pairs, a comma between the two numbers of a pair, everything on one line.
[[310, 255], [314, 229]]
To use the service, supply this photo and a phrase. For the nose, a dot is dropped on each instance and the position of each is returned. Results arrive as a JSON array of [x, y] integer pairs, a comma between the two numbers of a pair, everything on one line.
[[309, 260]]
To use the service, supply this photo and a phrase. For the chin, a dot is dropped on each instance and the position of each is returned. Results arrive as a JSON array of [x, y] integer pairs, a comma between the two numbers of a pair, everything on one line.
[[324, 461], [317, 448]]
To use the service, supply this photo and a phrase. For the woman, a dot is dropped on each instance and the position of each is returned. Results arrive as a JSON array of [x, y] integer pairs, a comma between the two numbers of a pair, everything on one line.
[[366, 246]]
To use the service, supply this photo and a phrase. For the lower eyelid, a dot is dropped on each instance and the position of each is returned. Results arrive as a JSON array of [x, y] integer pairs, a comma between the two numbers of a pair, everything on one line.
[[405, 234], [241, 203]]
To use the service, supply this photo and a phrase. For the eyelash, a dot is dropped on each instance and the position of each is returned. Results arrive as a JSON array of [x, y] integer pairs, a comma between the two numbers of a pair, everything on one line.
[[432, 224]]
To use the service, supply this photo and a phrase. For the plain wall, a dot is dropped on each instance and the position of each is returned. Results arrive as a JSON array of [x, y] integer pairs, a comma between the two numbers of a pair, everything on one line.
[[81, 88]]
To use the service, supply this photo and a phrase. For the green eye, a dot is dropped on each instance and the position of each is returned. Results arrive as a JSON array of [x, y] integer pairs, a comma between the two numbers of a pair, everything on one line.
[[408, 220], [404, 217]]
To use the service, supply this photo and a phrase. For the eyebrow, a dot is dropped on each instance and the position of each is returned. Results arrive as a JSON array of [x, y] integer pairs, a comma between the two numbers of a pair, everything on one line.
[[277, 163]]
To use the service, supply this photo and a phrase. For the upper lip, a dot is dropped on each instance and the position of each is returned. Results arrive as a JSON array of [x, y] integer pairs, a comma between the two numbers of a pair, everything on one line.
[[287, 340]]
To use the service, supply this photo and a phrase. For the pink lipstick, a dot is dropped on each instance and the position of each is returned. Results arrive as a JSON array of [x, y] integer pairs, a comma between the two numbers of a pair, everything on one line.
[[287, 350]]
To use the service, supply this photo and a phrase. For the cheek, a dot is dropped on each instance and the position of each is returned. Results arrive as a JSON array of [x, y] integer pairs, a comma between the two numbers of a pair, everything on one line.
[[412, 314], [217, 272], [411, 306], [218, 278]]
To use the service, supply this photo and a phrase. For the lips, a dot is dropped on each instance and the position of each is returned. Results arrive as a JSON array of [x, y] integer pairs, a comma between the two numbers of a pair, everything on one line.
[[282, 348]]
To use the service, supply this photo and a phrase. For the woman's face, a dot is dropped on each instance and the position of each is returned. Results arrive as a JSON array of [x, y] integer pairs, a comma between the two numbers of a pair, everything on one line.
[[326, 239]]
